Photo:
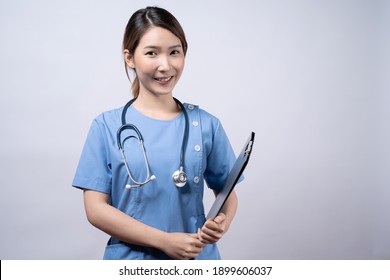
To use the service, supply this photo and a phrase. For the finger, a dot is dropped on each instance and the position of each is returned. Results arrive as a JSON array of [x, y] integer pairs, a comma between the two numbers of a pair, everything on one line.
[[197, 242], [200, 236], [194, 252], [193, 235], [213, 226], [199, 232], [191, 256], [220, 218], [211, 235], [200, 245], [209, 239]]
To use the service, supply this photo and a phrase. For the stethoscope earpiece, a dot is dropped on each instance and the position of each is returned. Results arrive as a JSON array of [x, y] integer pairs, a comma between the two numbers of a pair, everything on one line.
[[128, 186]]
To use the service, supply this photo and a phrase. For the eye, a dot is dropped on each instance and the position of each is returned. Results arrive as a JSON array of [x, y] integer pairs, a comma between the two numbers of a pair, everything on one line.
[[151, 53], [175, 52]]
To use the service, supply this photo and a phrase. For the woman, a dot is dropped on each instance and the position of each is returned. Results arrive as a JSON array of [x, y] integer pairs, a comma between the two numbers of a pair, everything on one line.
[[142, 198]]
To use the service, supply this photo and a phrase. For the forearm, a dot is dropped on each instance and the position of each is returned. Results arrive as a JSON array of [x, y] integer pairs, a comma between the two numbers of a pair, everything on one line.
[[118, 224], [230, 208], [213, 230]]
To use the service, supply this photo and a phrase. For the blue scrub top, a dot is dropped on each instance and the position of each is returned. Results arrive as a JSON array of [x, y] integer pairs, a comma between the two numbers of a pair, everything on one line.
[[208, 157]]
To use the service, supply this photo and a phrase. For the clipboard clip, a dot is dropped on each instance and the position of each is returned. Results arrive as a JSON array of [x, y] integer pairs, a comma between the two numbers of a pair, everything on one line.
[[248, 148]]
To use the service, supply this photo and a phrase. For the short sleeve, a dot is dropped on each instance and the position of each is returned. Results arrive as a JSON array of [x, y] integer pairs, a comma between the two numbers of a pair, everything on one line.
[[93, 170], [220, 160]]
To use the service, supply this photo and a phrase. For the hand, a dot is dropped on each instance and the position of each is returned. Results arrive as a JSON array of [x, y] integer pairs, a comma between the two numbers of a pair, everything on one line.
[[213, 230], [182, 246]]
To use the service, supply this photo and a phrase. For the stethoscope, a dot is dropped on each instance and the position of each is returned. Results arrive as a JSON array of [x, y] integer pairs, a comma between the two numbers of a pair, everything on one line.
[[179, 177]]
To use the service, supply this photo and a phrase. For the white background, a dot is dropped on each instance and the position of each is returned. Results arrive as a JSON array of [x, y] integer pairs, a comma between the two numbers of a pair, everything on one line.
[[311, 78]]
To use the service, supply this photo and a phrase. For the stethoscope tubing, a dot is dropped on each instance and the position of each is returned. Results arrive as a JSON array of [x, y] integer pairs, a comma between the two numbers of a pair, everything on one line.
[[179, 177], [124, 127], [186, 133]]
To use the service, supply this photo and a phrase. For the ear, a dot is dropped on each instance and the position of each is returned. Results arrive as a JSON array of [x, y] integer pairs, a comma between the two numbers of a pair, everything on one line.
[[129, 59]]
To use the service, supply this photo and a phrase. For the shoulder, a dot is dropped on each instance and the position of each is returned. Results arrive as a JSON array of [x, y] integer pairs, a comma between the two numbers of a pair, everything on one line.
[[207, 119], [109, 114], [109, 118]]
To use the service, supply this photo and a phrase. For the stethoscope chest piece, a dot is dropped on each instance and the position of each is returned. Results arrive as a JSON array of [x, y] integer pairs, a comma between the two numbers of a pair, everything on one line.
[[179, 178]]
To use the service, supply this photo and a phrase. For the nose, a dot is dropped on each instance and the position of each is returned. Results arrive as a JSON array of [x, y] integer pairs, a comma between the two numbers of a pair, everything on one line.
[[164, 64]]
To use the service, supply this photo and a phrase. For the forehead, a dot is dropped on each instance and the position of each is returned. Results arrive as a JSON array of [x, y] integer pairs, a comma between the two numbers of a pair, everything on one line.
[[160, 37]]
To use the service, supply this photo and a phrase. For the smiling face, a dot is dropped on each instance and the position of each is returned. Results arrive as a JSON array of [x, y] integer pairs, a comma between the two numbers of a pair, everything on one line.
[[158, 61]]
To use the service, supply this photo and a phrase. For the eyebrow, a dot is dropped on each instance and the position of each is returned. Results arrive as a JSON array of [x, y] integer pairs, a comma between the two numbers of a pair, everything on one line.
[[158, 48]]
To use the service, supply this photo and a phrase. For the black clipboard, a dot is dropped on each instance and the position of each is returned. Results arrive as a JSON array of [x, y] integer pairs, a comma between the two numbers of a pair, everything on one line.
[[232, 179]]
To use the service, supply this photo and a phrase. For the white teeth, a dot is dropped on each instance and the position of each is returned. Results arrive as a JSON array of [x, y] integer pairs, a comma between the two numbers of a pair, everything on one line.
[[164, 79]]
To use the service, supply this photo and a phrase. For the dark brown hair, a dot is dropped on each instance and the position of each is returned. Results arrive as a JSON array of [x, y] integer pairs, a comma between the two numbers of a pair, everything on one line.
[[139, 23]]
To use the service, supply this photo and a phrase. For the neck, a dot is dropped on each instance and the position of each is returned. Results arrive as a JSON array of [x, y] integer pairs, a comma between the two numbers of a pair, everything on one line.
[[157, 107]]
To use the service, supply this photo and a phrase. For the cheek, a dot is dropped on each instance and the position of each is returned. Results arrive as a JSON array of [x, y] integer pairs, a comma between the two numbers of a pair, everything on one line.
[[143, 64], [179, 65], [145, 68]]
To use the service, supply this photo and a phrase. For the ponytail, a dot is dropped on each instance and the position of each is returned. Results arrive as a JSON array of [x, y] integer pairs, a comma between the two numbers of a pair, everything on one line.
[[135, 87], [134, 84]]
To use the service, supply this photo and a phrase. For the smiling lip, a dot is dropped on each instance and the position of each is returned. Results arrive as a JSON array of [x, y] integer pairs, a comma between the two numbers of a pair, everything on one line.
[[164, 80]]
